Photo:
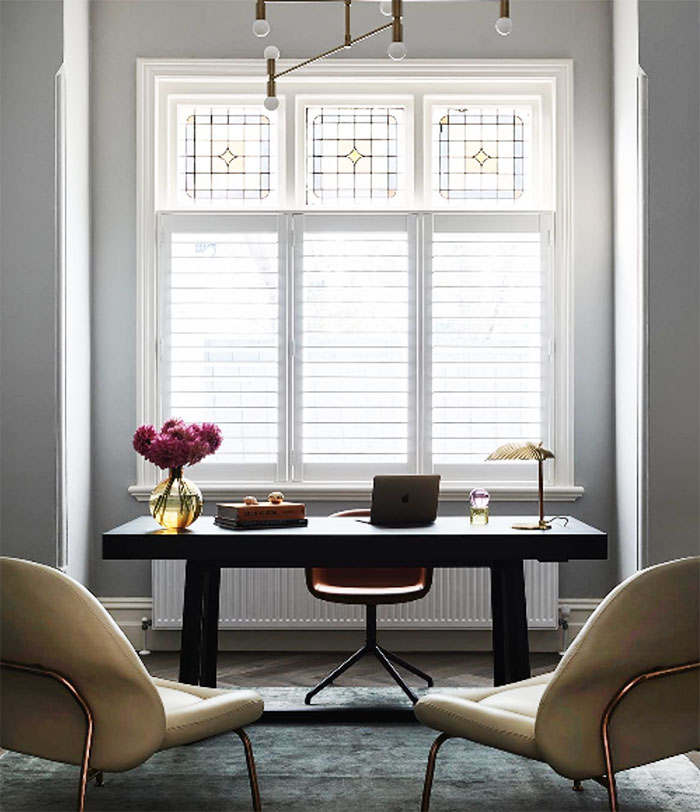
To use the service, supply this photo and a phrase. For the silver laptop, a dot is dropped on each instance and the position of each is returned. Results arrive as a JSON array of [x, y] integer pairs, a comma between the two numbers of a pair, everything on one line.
[[405, 500]]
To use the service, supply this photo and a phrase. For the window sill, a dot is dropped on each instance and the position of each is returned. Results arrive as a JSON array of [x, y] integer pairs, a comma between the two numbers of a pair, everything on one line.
[[316, 492]]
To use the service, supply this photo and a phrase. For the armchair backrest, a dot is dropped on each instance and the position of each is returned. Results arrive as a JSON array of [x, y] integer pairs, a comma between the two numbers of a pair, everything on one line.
[[650, 621], [50, 621]]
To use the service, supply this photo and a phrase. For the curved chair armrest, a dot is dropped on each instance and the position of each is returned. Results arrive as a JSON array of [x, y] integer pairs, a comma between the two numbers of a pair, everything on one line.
[[607, 717], [89, 726]]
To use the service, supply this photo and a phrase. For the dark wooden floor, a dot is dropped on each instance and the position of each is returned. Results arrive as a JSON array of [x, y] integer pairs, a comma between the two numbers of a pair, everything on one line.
[[251, 669]]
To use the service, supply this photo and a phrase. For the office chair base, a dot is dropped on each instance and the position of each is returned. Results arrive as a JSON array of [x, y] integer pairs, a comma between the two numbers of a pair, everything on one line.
[[386, 658]]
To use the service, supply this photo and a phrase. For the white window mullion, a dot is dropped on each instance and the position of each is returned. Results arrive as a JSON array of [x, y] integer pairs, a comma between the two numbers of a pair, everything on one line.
[[162, 349], [416, 437], [285, 398], [549, 348], [296, 345], [424, 359]]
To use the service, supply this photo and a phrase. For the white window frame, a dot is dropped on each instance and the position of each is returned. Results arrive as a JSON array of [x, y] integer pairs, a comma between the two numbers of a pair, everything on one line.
[[157, 79]]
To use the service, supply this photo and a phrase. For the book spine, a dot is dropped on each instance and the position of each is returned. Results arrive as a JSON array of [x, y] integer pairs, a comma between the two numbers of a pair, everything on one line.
[[234, 524], [253, 512]]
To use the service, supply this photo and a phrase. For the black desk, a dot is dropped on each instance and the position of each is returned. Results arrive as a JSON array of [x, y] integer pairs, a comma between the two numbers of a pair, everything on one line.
[[331, 542]]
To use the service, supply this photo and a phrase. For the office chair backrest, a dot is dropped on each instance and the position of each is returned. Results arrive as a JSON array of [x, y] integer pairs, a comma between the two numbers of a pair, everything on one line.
[[651, 621], [50, 621], [367, 577]]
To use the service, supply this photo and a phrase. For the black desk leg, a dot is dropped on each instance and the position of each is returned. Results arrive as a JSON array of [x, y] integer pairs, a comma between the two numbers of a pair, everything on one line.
[[511, 654], [191, 638], [210, 627]]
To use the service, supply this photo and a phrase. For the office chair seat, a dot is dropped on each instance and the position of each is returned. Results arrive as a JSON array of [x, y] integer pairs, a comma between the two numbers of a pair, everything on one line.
[[375, 585]]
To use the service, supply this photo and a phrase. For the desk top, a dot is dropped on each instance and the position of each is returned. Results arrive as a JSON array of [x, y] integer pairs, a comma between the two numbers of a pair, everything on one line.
[[345, 542]]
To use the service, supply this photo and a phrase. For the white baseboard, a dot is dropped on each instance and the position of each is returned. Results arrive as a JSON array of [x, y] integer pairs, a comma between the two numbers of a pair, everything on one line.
[[128, 614]]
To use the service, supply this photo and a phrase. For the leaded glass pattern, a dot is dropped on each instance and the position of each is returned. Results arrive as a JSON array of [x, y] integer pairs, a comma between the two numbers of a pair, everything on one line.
[[355, 154], [481, 153], [225, 153]]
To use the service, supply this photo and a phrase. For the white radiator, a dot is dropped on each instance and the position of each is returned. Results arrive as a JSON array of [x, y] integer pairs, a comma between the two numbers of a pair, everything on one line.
[[278, 599]]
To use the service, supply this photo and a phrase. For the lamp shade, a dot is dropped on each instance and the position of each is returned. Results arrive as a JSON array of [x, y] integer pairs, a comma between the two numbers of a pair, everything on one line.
[[521, 451]]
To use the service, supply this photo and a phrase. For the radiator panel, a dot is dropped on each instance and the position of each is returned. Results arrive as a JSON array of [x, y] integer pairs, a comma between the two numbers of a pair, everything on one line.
[[277, 598]]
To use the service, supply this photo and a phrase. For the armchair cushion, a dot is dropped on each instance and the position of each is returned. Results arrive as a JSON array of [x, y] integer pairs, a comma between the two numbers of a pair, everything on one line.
[[193, 712], [502, 717]]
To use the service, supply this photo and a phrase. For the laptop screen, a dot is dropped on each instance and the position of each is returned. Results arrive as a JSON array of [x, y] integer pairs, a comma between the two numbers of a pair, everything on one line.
[[405, 499]]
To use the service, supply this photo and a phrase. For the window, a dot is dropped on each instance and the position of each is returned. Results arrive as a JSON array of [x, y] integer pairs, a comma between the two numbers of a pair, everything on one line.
[[358, 283]]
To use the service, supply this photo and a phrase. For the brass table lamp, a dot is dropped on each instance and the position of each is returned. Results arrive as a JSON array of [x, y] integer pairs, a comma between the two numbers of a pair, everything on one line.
[[527, 451]]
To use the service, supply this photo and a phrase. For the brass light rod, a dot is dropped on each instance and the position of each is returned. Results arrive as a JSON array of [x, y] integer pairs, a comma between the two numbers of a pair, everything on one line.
[[332, 50], [397, 49]]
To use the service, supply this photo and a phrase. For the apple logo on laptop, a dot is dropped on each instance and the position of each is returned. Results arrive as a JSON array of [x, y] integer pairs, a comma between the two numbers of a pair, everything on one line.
[[405, 498]]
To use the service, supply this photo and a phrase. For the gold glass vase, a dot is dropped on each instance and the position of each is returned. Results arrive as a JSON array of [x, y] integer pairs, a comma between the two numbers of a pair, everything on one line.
[[175, 502]]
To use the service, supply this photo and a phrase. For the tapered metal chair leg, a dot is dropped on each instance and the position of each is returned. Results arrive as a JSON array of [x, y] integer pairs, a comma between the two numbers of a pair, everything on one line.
[[252, 774], [342, 668], [430, 771], [379, 654], [412, 668], [98, 775], [578, 786]]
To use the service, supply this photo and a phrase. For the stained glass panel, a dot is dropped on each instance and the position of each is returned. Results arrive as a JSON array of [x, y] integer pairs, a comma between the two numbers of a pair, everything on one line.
[[481, 153], [355, 154], [225, 153]]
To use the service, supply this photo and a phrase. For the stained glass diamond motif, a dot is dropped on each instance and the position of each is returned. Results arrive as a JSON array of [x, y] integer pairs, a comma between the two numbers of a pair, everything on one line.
[[481, 153], [225, 153], [354, 154]]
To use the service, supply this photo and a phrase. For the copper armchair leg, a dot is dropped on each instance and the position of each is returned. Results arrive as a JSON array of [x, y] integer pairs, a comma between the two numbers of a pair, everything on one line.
[[252, 774], [430, 770]]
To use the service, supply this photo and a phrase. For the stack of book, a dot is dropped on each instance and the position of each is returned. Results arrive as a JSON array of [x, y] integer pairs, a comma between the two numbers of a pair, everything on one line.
[[238, 516]]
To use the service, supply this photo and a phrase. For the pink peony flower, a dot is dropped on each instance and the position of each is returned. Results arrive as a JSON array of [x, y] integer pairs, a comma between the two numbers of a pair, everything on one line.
[[143, 438], [211, 434], [198, 450], [177, 444], [171, 423]]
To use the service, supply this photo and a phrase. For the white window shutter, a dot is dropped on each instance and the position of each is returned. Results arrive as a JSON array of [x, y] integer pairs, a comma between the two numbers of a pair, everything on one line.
[[489, 335], [355, 323], [222, 302]]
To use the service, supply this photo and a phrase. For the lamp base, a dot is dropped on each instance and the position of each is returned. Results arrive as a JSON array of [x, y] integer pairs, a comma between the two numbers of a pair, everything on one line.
[[538, 526]]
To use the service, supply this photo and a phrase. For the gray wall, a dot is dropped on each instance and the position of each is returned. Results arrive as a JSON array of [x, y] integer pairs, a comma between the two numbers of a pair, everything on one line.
[[669, 52], [31, 48], [123, 30]]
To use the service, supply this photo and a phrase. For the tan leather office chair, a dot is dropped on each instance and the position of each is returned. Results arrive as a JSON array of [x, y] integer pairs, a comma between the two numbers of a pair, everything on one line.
[[626, 693], [372, 587], [74, 690]]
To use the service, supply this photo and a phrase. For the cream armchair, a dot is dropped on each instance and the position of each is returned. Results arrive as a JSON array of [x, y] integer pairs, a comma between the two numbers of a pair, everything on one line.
[[626, 693], [74, 690]]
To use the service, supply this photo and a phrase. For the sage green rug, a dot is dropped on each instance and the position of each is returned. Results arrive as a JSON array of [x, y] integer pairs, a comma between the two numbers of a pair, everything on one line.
[[341, 768]]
